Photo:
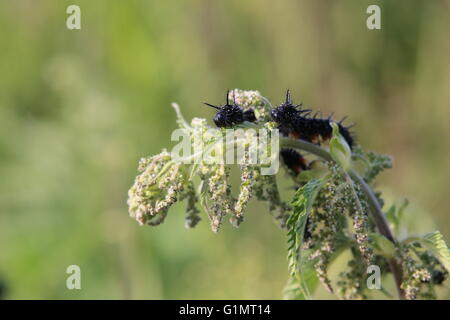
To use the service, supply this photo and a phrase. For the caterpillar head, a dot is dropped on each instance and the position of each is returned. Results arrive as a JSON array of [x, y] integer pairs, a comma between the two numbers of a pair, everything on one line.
[[230, 114]]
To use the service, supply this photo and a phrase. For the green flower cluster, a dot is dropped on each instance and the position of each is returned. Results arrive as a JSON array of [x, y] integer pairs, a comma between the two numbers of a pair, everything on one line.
[[161, 183], [164, 180]]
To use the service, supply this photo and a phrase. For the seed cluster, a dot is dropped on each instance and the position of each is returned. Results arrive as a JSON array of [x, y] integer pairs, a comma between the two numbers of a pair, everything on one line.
[[327, 221], [414, 274], [252, 100], [250, 174], [350, 284], [220, 194], [324, 222], [422, 271], [192, 212], [359, 212], [155, 189]]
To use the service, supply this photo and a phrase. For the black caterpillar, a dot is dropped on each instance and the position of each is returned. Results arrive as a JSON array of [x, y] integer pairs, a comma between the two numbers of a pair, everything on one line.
[[293, 160], [230, 115], [296, 123]]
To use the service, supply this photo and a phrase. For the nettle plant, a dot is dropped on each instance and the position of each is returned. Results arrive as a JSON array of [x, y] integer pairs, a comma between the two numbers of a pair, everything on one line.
[[334, 209]]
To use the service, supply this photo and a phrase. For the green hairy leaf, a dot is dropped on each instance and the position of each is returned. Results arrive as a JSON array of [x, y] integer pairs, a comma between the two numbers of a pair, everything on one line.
[[370, 164], [435, 242], [303, 200]]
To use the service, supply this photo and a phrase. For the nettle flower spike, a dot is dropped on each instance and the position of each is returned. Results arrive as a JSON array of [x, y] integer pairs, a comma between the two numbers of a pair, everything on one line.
[[334, 208], [161, 183], [253, 100], [155, 189]]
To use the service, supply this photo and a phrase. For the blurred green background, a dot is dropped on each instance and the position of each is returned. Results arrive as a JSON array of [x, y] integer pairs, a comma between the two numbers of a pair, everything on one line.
[[78, 108]]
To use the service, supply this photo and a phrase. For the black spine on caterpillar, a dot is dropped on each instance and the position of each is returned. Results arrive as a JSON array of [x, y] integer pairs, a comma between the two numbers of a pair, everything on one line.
[[288, 115], [292, 123], [230, 115]]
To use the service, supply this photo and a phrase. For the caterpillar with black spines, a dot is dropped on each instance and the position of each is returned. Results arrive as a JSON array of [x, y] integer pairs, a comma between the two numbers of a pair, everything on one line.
[[297, 123]]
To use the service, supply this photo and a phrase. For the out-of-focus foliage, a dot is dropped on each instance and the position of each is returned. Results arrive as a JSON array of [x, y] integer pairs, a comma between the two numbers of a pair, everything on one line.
[[79, 108]]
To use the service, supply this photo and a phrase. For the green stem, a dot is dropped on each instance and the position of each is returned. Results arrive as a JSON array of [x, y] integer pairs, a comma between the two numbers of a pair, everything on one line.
[[375, 209], [378, 214]]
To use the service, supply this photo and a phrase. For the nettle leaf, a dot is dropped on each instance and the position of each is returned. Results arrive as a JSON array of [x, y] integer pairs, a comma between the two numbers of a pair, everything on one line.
[[306, 281], [301, 272], [377, 163], [301, 285], [435, 242]]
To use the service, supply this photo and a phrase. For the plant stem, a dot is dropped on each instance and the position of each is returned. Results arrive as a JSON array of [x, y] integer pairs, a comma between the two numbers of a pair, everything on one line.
[[375, 209], [379, 216]]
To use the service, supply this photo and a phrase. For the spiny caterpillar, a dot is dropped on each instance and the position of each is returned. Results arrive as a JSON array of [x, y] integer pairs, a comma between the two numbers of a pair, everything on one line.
[[292, 121], [230, 115], [295, 122]]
